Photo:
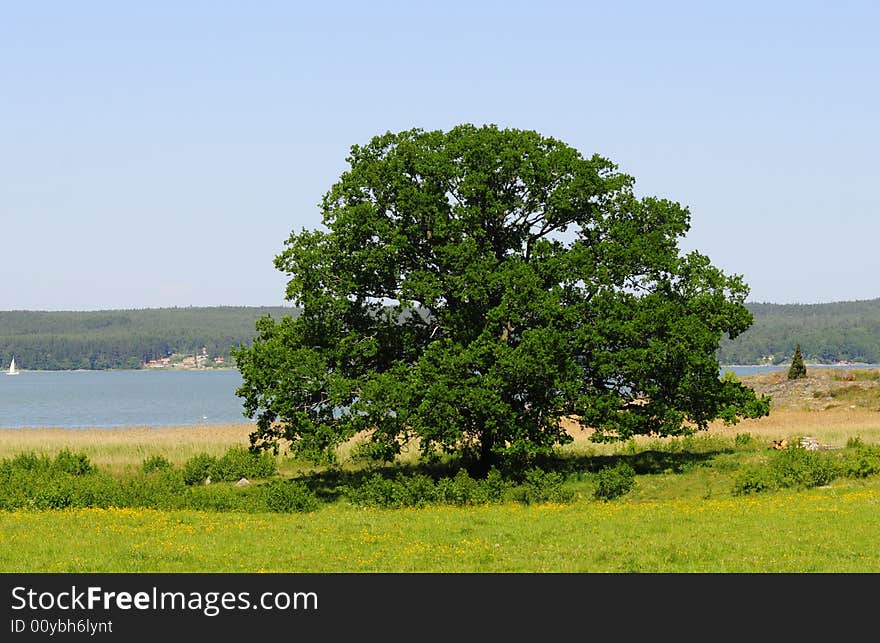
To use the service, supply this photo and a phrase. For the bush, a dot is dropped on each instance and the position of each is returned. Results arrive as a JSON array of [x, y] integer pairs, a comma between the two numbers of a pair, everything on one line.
[[461, 490], [163, 489], [291, 496], [419, 490], [614, 482], [376, 491], [496, 486], [197, 469], [860, 462], [753, 480], [239, 462], [802, 469], [75, 464], [30, 462], [541, 486], [155, 463]]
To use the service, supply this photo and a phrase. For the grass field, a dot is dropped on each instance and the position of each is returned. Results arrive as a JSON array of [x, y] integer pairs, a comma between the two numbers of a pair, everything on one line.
[[820, 530], [681, 516]]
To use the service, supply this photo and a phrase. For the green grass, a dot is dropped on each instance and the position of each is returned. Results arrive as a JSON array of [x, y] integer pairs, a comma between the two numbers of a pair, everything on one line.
[[683, 513], [820, 530]]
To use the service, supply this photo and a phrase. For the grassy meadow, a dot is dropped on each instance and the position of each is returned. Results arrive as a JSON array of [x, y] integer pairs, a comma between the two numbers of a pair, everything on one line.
[[686, 511]]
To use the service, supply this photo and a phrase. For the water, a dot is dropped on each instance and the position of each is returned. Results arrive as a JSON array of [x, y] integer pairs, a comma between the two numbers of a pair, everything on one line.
[[80, 399]]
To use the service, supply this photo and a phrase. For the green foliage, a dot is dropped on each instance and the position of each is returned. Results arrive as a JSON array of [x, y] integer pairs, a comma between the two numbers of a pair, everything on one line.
[[798, 369], [419, 490], [860, 461], [463, 490], [801, 469], [400, 491], [155, 463], [29, 462], [75, 464], [69, 480], [198, 468], [543, 486], [443, 304], [291, 496], [754, 480], [614, 481], [794, 467], [238, 462]]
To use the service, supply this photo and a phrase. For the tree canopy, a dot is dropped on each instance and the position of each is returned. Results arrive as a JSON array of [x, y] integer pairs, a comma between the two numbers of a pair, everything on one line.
[[473, 288]]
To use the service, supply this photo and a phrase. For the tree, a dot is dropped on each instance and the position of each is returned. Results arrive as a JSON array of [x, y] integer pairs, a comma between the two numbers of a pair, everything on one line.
[[797, 370], [475, 287]]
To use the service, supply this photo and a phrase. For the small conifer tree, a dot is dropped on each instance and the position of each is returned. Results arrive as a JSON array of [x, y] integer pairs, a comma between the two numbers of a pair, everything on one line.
[[797, 369]]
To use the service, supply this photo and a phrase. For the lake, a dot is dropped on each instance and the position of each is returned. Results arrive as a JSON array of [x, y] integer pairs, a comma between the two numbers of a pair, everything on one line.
[[81, 399]]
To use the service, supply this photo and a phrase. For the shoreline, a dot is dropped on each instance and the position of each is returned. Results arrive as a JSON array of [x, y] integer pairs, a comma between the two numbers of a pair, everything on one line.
[[233, 368]]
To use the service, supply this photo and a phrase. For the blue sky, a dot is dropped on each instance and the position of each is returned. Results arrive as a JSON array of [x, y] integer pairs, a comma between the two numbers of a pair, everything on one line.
[[160, 153]]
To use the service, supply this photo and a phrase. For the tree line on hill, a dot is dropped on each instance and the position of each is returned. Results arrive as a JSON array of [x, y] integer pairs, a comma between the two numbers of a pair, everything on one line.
[[828, 333], [125, 339], [61, 340]]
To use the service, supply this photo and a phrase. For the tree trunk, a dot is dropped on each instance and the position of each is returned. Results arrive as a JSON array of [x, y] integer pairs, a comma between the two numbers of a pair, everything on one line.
[[488, 456]]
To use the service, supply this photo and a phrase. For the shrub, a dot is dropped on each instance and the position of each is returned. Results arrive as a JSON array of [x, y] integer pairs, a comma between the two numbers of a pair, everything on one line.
[[542, 486], [860, 462], [30, 462], [163, 489], [75, 464], [291, 496], [155, 463], [239, 462], [802, 469], [753, 480], [496, 486], [376, 491], [197, 469], [613, 482], [415, 490], [419, 490], [462, 490]]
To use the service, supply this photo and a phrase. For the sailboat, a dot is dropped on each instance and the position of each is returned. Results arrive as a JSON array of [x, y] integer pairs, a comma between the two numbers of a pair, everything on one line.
[[12, 370]]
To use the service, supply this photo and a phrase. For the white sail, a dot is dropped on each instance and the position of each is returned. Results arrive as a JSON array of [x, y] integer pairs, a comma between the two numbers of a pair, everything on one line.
[[12, 370]]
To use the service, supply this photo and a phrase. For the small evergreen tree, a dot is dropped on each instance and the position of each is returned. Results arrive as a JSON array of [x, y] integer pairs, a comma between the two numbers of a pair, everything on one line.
[[797, 369]]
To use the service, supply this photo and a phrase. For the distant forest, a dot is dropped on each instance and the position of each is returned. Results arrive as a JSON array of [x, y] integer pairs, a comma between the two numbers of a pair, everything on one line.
[[62, 340], [98, 340], [847, 331]]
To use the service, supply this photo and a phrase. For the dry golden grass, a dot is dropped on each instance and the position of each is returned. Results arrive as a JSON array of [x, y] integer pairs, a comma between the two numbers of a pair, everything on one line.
[[830, 426], [833, 427], [124, 449]]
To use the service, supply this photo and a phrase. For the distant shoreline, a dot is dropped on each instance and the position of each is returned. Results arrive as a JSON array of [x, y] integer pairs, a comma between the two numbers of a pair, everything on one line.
[[127, 370], [232, 368]]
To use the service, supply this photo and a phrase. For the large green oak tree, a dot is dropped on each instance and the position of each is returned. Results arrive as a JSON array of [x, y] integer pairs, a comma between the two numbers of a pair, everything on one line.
[[472, 289]]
